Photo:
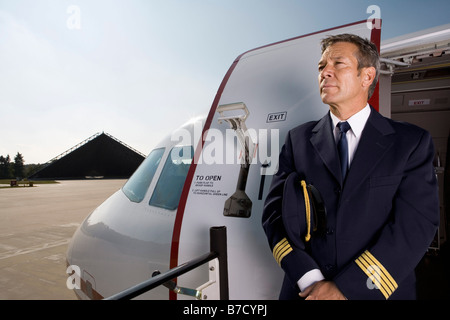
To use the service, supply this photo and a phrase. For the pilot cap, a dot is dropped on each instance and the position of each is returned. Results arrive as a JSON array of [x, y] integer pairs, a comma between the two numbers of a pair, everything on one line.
[[303, 210]]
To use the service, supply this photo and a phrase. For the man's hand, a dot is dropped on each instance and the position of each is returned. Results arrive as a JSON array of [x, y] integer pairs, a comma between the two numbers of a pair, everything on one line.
[[322, 290]]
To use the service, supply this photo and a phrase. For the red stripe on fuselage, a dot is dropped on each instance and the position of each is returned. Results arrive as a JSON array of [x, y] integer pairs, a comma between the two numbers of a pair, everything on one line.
[[375, 37]]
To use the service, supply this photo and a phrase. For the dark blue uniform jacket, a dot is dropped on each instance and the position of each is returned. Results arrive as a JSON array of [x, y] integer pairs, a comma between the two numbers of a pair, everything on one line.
[[380, 222]]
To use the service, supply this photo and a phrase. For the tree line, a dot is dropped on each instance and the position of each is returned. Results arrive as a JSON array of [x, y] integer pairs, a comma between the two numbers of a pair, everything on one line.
[[10, 169]]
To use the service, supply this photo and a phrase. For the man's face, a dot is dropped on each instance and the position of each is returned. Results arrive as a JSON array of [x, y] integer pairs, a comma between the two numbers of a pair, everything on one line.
[[340, 81]]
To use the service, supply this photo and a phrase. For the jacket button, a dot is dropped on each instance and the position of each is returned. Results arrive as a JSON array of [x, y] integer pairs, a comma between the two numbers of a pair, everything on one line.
[[337, 191], [330, 267], [330, 231]]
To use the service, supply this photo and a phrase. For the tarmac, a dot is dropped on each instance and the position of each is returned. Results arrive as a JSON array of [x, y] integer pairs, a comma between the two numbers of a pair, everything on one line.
[[36, 225]]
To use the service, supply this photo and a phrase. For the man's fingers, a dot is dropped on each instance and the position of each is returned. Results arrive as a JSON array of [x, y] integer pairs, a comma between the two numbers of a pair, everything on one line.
[[307, 291], [322, 290]]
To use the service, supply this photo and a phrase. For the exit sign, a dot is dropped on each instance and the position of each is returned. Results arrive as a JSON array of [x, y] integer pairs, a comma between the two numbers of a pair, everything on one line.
[[420, 102]]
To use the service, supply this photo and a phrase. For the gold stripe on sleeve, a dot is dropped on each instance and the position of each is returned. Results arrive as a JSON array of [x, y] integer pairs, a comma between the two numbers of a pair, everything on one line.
[[377, 273], [281, 249]]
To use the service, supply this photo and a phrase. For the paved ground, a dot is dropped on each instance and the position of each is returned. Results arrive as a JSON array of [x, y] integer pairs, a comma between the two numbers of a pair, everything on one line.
[[36, 225]]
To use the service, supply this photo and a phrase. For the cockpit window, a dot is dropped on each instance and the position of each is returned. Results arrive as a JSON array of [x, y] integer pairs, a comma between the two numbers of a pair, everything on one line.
[[168, 190], [136, 187]]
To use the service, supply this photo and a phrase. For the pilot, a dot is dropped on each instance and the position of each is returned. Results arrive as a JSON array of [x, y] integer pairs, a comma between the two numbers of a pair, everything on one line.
[[377, 182]]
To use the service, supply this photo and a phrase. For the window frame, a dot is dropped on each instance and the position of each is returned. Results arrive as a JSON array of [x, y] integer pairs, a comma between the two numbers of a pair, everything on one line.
[[138, 197], [163, 198]]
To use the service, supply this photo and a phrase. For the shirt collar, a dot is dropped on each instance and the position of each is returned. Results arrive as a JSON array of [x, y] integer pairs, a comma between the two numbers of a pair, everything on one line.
[[356, 122]]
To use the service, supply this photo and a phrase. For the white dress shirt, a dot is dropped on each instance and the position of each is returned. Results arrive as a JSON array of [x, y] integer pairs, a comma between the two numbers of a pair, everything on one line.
[[357, 123]]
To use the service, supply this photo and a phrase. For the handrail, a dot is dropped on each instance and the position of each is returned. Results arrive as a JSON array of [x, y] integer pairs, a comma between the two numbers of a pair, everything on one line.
[[218, 249]]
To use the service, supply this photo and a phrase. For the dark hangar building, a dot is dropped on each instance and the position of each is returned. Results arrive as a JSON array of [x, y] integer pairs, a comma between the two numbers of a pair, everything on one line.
[[99, 156]]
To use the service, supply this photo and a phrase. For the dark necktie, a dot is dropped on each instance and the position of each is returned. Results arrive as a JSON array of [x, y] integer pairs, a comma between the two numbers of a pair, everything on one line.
[[343, 146]]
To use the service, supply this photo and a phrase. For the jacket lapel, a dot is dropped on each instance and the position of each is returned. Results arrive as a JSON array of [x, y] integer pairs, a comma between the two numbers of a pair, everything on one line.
[[323, 141], [377, 138]]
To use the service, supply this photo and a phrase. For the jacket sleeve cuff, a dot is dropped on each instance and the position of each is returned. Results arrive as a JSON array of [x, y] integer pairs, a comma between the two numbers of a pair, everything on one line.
[[293, 261], [366, 278]]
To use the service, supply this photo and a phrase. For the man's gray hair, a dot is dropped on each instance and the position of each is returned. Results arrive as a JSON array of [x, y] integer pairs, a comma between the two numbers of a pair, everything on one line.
[[367, 55]]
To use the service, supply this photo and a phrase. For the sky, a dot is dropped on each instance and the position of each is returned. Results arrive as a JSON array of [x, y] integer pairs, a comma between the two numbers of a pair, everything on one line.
[[138, 69]]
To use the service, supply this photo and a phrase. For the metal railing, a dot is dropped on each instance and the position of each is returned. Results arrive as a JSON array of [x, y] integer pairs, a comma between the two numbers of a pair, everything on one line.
[[218, 250]]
